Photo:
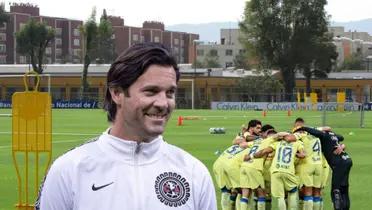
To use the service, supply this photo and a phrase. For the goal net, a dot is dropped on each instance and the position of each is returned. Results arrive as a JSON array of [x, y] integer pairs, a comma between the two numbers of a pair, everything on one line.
[[343, 115]]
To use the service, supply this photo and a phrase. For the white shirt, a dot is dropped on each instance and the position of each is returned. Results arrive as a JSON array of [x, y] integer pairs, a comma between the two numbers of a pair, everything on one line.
[[115, 174]]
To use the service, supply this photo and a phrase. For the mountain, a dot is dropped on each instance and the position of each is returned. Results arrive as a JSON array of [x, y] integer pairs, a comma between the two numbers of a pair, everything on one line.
[[207, 31], [364, 25], [211, 31]]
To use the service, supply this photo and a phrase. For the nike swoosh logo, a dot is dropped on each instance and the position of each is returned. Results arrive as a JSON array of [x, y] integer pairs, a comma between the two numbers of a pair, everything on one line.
[[94, 188]]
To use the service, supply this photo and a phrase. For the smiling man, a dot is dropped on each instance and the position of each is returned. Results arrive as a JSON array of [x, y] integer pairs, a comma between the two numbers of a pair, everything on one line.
[[130, 166]]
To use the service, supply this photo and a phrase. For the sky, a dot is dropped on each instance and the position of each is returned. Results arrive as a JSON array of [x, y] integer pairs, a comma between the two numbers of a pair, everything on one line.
[[172, 12]]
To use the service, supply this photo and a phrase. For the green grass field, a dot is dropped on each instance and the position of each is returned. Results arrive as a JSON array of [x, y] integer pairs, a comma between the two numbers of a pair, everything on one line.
[[72, 127]]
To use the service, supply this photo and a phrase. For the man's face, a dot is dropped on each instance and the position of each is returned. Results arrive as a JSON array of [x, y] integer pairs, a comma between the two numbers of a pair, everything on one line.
[[144, 112], [256, 130]]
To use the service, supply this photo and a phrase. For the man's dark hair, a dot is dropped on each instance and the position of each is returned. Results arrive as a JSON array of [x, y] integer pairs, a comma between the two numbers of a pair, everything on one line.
[[130, 65], [266, 128], [299, 119], [254, 123]]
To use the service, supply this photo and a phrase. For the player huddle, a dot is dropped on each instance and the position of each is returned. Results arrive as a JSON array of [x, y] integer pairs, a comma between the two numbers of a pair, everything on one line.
[[264, 165]]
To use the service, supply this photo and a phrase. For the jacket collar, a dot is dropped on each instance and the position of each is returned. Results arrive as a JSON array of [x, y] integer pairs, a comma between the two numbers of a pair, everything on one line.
[[131, 152]]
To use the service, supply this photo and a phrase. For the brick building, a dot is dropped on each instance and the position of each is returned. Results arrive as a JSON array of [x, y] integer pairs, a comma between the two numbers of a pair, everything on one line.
[[66, 47], [181, 43]]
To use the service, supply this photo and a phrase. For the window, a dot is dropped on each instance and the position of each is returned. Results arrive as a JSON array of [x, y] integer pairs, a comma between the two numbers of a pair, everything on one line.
[[200, 52], [213, 52], [76, 52], [58, 51], [58, 41], [225, 94], [48, 50], [2, 59], [201, 93], [229, 52], [21, 26], [76, 42], [182, 42], [142, 38], [2, 48], [76, 32], [58, 31], [2, 36], [241, 51], [156, 39], [176, 41], [176, 50], [229, 64], [22, 59], [214, 93], [4, 26], [74, 93], [58, 93], [135, 37]]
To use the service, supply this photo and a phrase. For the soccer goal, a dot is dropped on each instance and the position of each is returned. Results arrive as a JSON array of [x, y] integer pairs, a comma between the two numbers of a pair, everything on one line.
[[185, 97], [343, 115]]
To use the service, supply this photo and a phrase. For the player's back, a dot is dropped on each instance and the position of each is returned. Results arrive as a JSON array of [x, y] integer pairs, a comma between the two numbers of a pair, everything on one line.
[[285, 155], [313, 150]]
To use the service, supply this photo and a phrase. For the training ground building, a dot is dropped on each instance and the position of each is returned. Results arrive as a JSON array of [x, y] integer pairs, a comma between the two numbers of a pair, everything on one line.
[[197, 87]]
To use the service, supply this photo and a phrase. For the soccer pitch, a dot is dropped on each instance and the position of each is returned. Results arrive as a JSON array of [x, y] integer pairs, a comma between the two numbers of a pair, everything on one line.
[[73, 127]]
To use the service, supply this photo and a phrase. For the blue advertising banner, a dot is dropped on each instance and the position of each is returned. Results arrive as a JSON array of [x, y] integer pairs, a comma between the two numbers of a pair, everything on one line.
[[61, 104]]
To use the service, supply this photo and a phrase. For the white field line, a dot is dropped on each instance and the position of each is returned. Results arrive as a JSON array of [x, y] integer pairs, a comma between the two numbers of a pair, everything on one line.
[[268, 115], [62, 134], [54, 142], [58, 142]]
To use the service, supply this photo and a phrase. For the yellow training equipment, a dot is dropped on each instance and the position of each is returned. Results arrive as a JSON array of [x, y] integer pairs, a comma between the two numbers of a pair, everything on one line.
[[31, 140]]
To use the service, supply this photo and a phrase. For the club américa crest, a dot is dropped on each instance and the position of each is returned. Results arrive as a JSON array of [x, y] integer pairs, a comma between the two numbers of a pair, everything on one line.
[[172, 189]]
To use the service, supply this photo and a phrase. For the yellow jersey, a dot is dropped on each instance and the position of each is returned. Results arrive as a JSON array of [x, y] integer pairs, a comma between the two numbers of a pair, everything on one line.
[[285, 155]]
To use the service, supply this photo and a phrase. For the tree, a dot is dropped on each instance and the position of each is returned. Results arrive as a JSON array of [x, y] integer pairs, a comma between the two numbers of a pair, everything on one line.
[[354, 62], [256, 87], [4, 17], [241, 61], [32, 41], [211, 60], [323, 63], [90, 33], [105, 45], [275, 31], [318, 54], [98, 45], [197, 64]]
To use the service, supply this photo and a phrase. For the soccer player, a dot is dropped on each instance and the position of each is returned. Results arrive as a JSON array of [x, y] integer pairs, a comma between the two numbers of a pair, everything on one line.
[[339, 161], [130, 166], [226, 170], [310, 169], [283, 178], [252, 132], [251, 177]]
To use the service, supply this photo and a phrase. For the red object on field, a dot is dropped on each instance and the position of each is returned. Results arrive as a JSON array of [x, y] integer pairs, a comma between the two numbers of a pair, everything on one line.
[[264, 113], [289, 112], [180, 120]]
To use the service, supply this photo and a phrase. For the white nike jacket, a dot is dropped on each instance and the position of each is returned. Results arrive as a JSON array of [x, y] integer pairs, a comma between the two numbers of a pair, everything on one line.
[[114, 174]]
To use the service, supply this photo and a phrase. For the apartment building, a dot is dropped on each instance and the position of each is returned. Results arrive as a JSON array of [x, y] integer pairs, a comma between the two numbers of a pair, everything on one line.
[[66, 47], [226, 50]]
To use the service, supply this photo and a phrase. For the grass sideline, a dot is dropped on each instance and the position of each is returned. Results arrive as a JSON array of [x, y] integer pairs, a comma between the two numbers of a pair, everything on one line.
[[73, 127]]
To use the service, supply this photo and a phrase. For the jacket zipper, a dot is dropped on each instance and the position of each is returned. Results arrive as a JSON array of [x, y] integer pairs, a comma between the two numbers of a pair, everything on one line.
[[136, 171]]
